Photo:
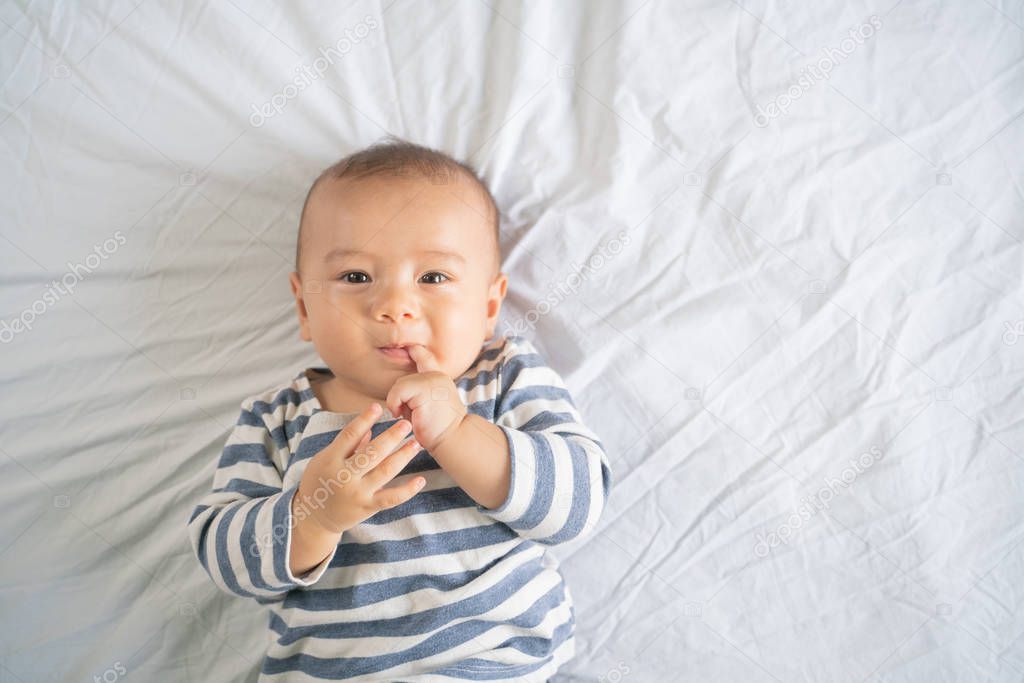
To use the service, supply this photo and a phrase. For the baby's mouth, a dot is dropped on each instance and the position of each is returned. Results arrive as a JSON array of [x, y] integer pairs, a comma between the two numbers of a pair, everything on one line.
[[398, 353]]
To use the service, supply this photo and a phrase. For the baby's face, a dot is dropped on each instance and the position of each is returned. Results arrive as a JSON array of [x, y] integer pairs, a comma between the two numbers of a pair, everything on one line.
[[390, 260]]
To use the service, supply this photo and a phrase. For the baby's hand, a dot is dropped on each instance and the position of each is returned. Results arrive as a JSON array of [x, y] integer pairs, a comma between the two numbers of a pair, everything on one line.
[[428, 398], [341, 486]]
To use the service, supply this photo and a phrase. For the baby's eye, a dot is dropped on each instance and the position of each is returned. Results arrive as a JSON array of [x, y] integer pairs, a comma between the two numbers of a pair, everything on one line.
[[437, 273], [346, 277]]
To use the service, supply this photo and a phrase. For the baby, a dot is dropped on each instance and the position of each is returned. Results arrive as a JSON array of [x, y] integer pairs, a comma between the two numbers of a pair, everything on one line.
[[386, 555]]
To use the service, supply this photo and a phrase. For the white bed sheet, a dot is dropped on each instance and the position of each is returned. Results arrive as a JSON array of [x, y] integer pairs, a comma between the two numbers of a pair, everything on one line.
[[760, 304]]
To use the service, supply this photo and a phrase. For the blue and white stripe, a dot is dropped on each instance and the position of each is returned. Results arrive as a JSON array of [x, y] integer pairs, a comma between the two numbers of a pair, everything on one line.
[[439, 588]]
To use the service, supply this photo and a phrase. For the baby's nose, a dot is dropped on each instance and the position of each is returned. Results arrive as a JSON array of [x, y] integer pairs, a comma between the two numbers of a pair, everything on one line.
[[396, 306]]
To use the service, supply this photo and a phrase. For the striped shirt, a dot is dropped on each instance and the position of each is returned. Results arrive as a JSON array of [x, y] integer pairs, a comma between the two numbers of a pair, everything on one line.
[[438, 588]]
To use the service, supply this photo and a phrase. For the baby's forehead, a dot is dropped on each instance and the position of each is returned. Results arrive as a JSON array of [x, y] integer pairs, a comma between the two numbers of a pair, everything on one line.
[[390, 199], [424, 213]]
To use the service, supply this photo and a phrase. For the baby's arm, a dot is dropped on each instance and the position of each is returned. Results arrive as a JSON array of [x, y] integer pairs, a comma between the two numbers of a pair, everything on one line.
[[549, 471], [241, 531]]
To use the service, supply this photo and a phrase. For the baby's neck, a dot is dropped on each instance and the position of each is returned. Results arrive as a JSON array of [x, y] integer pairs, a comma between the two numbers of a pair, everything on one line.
[[336, 398]]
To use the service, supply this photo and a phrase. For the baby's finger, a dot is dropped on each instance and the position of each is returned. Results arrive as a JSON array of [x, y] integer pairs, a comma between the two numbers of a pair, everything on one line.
[[392, 465], [363, 441], [350, 437], [364, 459], [393, 496], [386, 442]]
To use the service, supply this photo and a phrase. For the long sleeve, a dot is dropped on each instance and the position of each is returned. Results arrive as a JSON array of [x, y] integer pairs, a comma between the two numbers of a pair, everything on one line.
[[560, 476], [241, 530]]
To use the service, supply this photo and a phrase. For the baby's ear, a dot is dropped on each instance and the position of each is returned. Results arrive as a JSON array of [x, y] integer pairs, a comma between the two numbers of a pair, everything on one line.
[[495, 297], [498, 288], [300, 304]]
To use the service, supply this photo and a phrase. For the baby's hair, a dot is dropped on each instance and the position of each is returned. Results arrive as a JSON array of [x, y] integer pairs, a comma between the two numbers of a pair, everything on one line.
[[397, 157]]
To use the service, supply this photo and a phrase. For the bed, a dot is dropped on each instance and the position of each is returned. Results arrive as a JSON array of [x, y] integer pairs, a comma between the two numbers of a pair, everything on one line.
[[774, 250]]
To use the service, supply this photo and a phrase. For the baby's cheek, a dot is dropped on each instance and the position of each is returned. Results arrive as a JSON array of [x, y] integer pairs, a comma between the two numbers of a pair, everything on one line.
[[333, 295]]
